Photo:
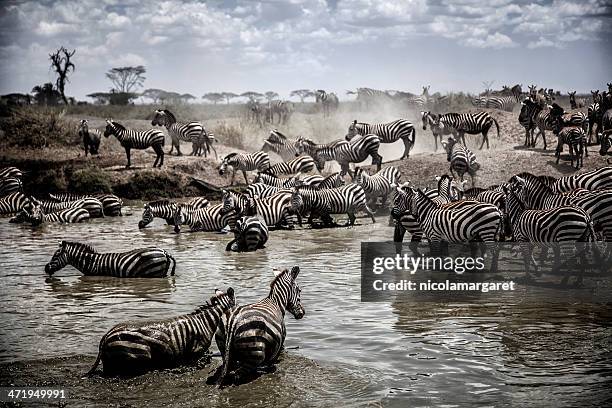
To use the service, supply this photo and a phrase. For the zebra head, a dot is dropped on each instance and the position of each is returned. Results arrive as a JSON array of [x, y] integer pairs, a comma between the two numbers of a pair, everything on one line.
[[595, 95], [353, 130], [178, 217], [448, 146], [401, 200], [83, 126], [147, 216], [22, 216], [58, 260], [226, 300], [286, 292], [112, 128], [426, 119], [606, 142], [226, 162], [160, 118], [36, 214]]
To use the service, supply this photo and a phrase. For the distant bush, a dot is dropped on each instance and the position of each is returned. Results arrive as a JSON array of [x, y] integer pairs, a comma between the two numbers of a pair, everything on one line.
[[38, 127], [90, 180], [151, 185]]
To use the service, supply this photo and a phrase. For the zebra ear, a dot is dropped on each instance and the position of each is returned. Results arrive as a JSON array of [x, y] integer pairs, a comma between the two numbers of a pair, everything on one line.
[[355, 122], [218, 292], [277, 271], [437, 178], [230, 292], [295, 272]]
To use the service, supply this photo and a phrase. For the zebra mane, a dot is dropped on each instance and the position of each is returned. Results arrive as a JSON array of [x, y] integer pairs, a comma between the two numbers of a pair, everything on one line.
[[80, 245], [202, 308], [229, 156], [118, 125], [170, 114], [158, 202]]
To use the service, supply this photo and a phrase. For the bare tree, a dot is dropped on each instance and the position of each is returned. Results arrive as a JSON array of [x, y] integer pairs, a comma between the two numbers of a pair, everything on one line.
[[61, 64], [302, 94], [126, 79]]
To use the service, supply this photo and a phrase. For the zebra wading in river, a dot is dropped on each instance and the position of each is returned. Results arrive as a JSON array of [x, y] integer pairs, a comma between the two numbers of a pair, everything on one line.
[[275, 210], [461, 159], [13, 203], [430, 119], [165, 209], [138, 263], [93, 206], [244, 162], [470, 123], [252, 336], [35, 215], [110, 202], [136, 347], [137, 139], [250, 234], [211, 218], [387, 132], [90, 137]]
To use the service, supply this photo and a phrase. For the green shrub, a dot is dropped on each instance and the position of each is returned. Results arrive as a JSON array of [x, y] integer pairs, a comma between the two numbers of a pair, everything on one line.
[[89, 180], [38, 127]]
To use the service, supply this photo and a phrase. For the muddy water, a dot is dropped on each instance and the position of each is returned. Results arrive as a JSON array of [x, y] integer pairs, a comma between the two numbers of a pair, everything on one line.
[[513, 349]]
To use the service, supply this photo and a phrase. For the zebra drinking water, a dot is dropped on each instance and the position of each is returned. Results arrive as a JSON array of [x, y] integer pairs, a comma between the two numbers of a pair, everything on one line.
[[210, 218], [275, 210], [136, 347], [92, 205], [245, 162], [137, 139], [138, 263], [165, 209], [252, 336], [387, 132], [250, 234]]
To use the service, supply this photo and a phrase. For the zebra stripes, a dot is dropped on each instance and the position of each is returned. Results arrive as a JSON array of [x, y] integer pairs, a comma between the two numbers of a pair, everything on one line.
[[284, 110], [461, 159], [210, 218], [136, 347], [13, 203], [165, 209], [543, 121], [593, 118], [10, 172], [245, 162], [274, 210], [193, 132], [590, 180], [328, 101], [138, 263], [575, 138], [10, 185], [470, 123], [527, 119], [251, 234], [430, 119], [91, 137], [277, 182], [253, 335], [576, 103], [136, 139], [300, 164], [36, 216], [379, 184], [110, 202], [92, 205], [279, 143], [387, 132]]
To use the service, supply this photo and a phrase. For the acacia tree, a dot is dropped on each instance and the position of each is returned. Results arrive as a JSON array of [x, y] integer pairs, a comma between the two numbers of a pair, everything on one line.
[[61, 64], [228, 96], [214, 97], [154, 94], [126, 79], [270, 95], [302, 94], [46, 94], [252, 96]]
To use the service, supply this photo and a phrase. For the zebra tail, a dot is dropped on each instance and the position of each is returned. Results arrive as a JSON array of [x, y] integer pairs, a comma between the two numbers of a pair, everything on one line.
[[413, 141], [170, 258], [98, 357], [496, 125], [229, 338]]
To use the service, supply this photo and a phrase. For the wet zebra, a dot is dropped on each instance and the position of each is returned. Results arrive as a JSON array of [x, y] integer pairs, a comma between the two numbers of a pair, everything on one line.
[[251, 336], [387, 132], [110, 202], [245, 162], [281, 145], [598, 203], [90, 137], [136, 347], [36, 216], [470, 123], [300, 164], [9, 185], [461, 159], [13, 203], [165, 209], [138, 263], [575, 138], [377, 185], [211, 218], [430, 119], [137, 139], [251, 234], [275, 210], [328, 101], [342, 200], [92, 205], [10, 172]]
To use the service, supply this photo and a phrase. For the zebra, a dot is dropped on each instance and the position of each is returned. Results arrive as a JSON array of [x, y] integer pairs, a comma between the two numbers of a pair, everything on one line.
[[527, 119], [590, 180], [566, 223], [379, 184], [328, 101], [479, 101], [300, 164], [261, 190], [333, 180], [193, 132], [342, 200], [245, 162], [10, 185], [593, 118], [279, 143], [91, 137], [430, 119], [283, 109], [606, 143], [355, 151], [210, 218], [461, 159], [251, 234], [470, 123], [543, 121], [137, 263], [387, 132], [598, 203], [165, 209], [92, 205], [368, 96], [576, 103], [110, 202], [575, 138], [136, 139], [136, 347], [10, 172], [419, 101], [255, 112], [14, 203], [563, 118], [274, 181], [35, 215], [274, 210], [253, 335], [504, 103]]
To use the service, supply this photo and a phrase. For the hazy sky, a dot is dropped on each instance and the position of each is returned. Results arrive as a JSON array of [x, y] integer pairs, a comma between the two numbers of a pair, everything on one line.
[[238, 45]]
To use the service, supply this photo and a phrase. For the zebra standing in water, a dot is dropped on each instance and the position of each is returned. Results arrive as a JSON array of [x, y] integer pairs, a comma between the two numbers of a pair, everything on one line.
[[165, 209], [378, 185], [387, 132], [136, 347], [251, 234], [136, 139], [279, 143], [245, 162], [300, 164], [90, 137], [470, 123], [13, 203], [210, 218], [430, 119], [92, 205], [193, 132], [253, 335], [275, 210], [10, 185], [329, 101], [461, 159], [138, 263]]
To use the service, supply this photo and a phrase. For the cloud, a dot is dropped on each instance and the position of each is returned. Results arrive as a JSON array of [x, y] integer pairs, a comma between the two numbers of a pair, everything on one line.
[[496, 40], [541, 43], [53, 28]]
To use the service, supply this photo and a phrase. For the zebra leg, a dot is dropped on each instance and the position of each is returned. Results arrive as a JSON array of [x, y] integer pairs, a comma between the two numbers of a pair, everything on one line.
[[233, 176], [407, 147], [485, 138], [159, 150], [559, 150], [127, 153], [398, 236], [246, 180], [351, 220]]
